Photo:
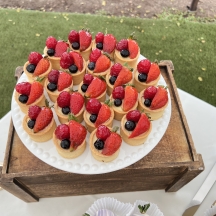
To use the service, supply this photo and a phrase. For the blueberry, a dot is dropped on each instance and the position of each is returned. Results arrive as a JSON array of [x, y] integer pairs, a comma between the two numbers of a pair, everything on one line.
[[142, 77], [23, 99], [99, 46], [93, 118], [147, 102], [117, 102], [65, 110], [112, 80], [65, 144], [30, 68], [31, 124], [84, 87], [130, 125], [125, 53], [73, 68], [75, 45], [91, 65], [52, 87], [50, 52], [99, 144]]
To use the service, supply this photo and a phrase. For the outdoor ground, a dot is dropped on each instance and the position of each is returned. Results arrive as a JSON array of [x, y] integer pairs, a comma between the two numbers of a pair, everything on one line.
[[130, 8]]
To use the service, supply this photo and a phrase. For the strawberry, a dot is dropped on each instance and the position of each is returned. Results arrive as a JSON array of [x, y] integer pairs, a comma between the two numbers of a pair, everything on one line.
[[94, 55], [73, 36], [143, 66], [96, 88], [63, 100], [160, 99], [77, 134], [64, 81], [60, 48], [78, 59], [76, 102], [99, 37], [112, 144], [103, 132], [93, 106], [34, 58], [130, 99], [150, 92], [122, 45], [102, 64], [124, 77], [66, 60], [62, 132], [35, 93], [115, 69], [109, 43], [43, 119], [33, 112], [133, 48], [42, 67], [103, 115], [23, 88], [141, 127], [51, 42], [85, 39], [153, 73]]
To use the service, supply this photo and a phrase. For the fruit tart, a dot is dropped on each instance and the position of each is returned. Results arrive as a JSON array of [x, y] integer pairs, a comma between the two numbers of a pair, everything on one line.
[[70, 139], [135, 127], [56, 82], [39, 123], [146, 74], [105, 143], [74, 63], [119, 75], [81, 41], [105, 42], [98, 64], [123, 100], [69, 103], [54, 49], [93, 87], [37, 66], [153, 101], [98, 113], [127, 51], [27, 94]]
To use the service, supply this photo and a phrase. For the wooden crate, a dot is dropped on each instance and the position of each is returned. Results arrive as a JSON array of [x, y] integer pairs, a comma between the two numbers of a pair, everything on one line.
[[169, 166]]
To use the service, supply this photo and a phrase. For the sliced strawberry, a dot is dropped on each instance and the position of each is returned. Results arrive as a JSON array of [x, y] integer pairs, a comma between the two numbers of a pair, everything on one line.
[[35, 93], [160, 99], [142, 126], [78, 59], [23, 88], [112, 144], [153, 73], [85, 39], [63, 100], [66, 60], [94, 55], [62, 132], [44, 118], [76, 102], [124, 77], [60, 48], [42, 67], [96, 88], [102, 64], [64, 81], [109, 43], [133, 48], [103, 115], [130, 99]]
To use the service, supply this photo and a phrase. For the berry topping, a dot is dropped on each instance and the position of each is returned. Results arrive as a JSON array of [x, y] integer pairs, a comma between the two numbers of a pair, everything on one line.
[[51, 42], [52, 87], [122, 45], [124, 77], [87, 79], [23, 99], [93, 106], [35, 92], [103, 115], [53, 76], [117, 102], [125, 53], [143, 66], [85, 38], [103, 132], [73, 68], [23, 88], [147, 102], [118, 92], [94, 55], [102, 64], [153, 73], [84, 87], [112, 80], [160, 99], [130, 99], [42, 67], [99, 144], [31, 124], [65, 144], [99, 46], [130, 125], [34, 58], [75, 45], [31, 68], [66, 110], [76, 102], [50, 52], [93, 118], [60, 48], [142, 77], [62, 132], [133, 48], [150, 92], [99, 37], [63, 100], [115, 69], [33, 112], [78, 59], [133, 115], [91, 66], [66, 60], [73, 36], [109, 43], [64, 81]]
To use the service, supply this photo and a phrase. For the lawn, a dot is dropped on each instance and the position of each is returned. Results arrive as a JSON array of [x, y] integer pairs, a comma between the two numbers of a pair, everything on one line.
[[190, 45]]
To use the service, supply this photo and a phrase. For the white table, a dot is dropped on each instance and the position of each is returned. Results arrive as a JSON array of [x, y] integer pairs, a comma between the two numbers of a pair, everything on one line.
[[201, 118]]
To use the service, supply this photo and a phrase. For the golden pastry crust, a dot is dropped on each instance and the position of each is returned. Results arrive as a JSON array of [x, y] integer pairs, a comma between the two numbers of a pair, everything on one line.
[[143, 85], [97, 153], [153, 114], [24, 107], [91, 126], [139, 140], [41, 136], [55, 61]]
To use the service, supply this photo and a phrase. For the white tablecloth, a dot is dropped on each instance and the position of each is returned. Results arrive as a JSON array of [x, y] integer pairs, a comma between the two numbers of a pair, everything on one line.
[[201, 118]]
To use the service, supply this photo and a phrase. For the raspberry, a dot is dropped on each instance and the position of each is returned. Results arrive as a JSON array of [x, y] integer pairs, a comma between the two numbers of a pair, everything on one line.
[[23, 88], [143, 66], [150, 92], [63, 99], [95, 54], [51, 42], [118, 92], [133, 115], [93, 106], [62, 132], [66, 60], [87, 79], [103, 132], [99, 37], [33, 112], [34, 58], [53, 76], [73, 36], [115, 69], [122, 45]]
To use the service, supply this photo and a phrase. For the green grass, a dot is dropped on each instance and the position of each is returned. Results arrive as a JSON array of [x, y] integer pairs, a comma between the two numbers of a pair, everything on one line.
[[190, 45]]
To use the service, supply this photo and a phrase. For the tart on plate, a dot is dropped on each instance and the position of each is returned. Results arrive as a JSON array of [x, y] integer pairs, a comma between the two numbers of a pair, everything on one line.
[[105, 143], [153, 101]]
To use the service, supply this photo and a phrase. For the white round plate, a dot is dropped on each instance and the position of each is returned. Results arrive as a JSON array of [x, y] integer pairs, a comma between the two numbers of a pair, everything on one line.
[[85, 163]]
